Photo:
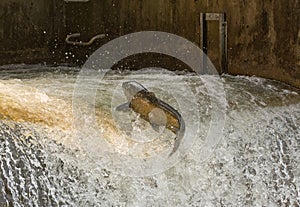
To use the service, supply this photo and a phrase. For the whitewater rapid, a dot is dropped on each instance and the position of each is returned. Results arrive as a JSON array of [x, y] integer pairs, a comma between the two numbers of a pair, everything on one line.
[[43, 163]]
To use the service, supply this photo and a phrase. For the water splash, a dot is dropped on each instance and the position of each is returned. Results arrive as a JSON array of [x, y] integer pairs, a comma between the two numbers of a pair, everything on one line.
[[256, 164]]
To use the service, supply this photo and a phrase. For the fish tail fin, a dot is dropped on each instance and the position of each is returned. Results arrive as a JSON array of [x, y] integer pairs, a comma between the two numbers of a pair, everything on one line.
[[178, 138]]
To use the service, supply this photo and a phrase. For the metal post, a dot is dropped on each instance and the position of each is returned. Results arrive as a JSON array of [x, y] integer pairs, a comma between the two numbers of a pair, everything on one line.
[[203, 42], [223, 42]]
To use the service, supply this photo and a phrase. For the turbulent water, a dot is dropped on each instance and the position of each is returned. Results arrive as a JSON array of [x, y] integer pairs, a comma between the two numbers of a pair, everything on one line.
[[47, 161]]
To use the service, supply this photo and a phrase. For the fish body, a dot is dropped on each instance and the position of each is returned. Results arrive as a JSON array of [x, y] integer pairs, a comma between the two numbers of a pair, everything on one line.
[[155, 111]]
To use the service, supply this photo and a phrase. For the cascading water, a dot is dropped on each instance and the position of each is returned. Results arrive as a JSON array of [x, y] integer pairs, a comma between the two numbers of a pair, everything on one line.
[[256, 163]]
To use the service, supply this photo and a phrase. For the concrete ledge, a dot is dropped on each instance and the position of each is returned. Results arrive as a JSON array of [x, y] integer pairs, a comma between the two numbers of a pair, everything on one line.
[[29, 56]]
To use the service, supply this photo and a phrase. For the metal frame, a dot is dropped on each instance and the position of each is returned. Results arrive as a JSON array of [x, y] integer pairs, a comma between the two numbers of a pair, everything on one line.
[[221, 17], [76, 0]]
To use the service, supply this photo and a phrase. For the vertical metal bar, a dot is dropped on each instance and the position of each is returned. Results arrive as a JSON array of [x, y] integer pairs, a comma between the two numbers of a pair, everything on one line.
[[201, 30], [223, 43], [203, 42], [225, 61]]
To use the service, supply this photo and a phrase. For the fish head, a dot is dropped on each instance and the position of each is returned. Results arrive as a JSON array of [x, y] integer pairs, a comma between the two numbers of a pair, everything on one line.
[[131, 88]]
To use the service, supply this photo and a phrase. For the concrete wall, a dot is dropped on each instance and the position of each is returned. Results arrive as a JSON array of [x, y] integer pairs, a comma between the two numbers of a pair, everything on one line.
[[263, 36], [29, 29]]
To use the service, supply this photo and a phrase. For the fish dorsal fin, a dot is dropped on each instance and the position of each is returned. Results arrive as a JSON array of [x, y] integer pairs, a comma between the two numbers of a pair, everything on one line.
[[151, 94]]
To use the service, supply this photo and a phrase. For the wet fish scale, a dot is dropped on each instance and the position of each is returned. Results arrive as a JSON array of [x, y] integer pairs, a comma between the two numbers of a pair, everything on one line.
[[143, 107]]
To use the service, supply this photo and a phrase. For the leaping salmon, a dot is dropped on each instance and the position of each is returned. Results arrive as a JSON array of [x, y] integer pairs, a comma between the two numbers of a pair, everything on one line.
[[153, 110]]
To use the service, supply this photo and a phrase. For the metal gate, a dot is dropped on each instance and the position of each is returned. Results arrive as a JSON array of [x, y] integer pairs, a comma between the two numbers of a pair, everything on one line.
[[221, 17]]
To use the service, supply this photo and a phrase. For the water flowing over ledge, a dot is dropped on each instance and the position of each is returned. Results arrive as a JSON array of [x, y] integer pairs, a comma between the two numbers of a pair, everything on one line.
[[256, 163]]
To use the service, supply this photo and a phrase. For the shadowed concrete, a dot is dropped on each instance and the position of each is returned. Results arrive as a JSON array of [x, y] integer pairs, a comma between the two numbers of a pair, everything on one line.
[[263, 36]]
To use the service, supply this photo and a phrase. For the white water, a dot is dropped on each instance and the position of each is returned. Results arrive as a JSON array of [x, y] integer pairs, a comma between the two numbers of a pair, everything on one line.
[[256, 163]]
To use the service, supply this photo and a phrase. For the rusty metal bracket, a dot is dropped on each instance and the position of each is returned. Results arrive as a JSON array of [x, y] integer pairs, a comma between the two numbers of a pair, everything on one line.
[[80, 43]]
